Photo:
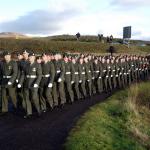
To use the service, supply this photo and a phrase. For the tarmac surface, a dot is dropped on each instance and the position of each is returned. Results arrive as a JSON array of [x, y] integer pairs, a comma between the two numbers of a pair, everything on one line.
[[47, 132]]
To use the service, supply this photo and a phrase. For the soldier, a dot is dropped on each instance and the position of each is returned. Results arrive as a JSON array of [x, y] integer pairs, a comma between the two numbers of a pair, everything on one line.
[[9, 73], [108, 84], [69, 78], [58, 87], [82, 78], [88, 76], [76, 77], [98, 75], [46, 84], [113, 74], [30, 80], [21, 66]]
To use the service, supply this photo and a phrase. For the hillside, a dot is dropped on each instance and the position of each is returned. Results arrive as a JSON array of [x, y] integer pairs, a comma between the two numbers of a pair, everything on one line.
[[12, 35]]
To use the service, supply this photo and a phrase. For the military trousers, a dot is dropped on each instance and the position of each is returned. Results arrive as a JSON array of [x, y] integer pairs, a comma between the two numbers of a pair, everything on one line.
[[68, 86], [45, 96], [31, 97], [11, 93]]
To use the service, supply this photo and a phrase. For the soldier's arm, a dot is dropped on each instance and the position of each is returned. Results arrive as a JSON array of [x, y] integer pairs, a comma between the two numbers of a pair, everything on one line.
[[39, 74], [52, 73], [72, 72], [15, 72], [62, 74]]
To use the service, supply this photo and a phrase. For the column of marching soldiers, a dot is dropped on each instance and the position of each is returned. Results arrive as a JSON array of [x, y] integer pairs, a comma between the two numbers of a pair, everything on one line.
[[51, 80]]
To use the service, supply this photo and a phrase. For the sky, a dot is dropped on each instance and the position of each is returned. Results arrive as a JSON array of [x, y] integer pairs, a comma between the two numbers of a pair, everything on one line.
[[89, 17]]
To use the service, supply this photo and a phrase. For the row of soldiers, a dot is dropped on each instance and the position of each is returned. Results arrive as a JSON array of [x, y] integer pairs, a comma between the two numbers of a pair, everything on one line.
[[51, 80]]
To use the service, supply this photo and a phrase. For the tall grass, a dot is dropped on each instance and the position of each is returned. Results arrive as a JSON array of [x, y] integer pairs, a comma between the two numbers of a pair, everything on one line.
[[120, 123]]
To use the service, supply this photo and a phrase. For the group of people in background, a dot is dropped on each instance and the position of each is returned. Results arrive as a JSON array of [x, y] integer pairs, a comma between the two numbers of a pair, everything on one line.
[[53, 79]]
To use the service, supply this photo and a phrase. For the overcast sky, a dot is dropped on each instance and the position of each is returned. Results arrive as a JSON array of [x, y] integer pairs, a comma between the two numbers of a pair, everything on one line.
[[89, 17]]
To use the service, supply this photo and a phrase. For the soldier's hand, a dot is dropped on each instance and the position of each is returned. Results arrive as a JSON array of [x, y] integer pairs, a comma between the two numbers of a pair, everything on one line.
[[19, 85], [35, 85], [9, 83], [72, 82], [80, 81], [17, 80], [88, 80], [50, 85], [59, 80], [93, 78]]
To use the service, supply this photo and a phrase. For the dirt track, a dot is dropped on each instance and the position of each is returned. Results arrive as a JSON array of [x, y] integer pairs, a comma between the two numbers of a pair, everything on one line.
[[45, 133]]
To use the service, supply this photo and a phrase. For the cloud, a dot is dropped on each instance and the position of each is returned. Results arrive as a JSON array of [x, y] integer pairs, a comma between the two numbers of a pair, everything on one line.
[[39, 21], [130, 3]]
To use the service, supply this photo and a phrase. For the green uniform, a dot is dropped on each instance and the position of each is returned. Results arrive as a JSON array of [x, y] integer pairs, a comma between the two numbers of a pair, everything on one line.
[[88, 76], [45, 91], [8, 73], [31, 75], [20, 98], [98, 76], [69, 77], [76, 80], [108, 84], [113, 75], [82, 79], [58, 87]]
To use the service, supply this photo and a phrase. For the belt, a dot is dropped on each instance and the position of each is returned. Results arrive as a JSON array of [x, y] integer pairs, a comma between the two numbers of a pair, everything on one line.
[[100, 77], [7, 77], [89, 71], [31, 76], [97, 71], [76, 73], [104, 70], [114, 70], [68, 72], [83, 72], [58, 71], [107, 76], [46, 75]]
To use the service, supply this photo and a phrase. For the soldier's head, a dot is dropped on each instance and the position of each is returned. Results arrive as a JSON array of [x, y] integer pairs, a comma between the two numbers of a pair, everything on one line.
[[81, 60], [96, 61], [108, 60], [86, 59], [25, 54], [39, 59], [66, 59], [73, 60], [32, 57], [7, 56], [19, 56], [44, 57]]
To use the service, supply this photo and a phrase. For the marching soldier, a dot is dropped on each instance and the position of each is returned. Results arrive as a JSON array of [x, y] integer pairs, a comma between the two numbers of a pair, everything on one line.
[[82, 78], [21, 66], [30, 80], [46, 84], [58, 87], [9, 74], [88, 76], [69, 77], [76, 77]]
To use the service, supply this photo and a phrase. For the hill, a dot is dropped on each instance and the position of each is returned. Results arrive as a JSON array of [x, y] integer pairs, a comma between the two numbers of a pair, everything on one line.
[[12, 35]]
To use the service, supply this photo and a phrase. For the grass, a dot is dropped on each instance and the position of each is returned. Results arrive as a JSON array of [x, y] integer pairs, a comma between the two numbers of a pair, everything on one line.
[[120, 123], [48, 44]]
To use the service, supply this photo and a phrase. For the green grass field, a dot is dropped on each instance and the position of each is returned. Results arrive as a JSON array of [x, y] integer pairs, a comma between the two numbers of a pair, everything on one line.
[[83, 46], [122, 122]]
